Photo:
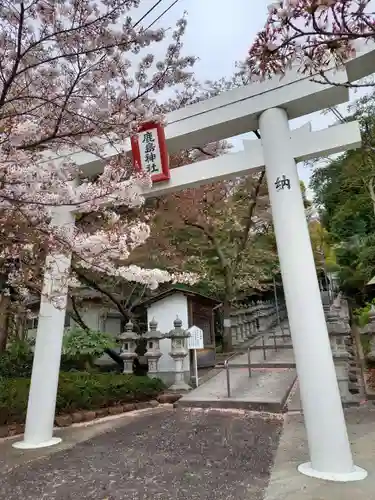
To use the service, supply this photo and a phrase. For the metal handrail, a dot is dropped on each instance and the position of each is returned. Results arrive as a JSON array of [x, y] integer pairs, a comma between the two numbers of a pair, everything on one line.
[[226, 367], [226, 362]]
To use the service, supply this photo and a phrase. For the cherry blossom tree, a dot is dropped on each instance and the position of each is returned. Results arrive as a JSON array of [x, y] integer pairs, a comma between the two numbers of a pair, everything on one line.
[[123, 295], [78, 75], [223, 231], [312, 35]]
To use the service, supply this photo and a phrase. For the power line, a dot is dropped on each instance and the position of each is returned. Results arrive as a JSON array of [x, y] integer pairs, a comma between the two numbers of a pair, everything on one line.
[[147, 13], [162, 14]]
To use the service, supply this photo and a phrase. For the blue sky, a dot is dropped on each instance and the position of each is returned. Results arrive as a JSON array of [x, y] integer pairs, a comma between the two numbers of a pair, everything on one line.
[[220, 33]]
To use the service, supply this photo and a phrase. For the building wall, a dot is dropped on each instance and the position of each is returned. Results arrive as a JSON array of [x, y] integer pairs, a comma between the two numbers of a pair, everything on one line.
[[91, 317], [96, 319], [108, 322], [165, 311]]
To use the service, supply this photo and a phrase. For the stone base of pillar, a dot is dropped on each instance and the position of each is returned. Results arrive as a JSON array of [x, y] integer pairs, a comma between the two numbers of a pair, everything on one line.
[[152, 361], [357, 474], [25, 445], [179, 383], [341, 367], [128, 364], [181, 386]]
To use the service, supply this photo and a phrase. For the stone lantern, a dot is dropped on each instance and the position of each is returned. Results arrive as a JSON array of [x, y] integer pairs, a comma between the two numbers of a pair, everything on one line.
[[240, 327], [153, 354], [248, 325], [371, 330], [337, 306], [178, 353], [339, 331], [128, 341], [233, 327]]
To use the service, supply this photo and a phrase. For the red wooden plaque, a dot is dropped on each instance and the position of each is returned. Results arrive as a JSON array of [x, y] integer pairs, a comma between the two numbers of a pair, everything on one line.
[[150, 153]]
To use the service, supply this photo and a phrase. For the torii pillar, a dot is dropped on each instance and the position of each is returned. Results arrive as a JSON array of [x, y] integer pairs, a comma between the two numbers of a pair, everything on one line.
[[330, 453]]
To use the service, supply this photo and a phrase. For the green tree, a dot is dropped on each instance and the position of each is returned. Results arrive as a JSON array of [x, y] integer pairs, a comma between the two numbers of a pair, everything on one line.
[[83, 346], [345, 196]]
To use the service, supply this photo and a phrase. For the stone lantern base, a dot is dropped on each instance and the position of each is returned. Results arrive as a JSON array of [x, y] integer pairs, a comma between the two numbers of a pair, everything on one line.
[[179, 383], [153, 360], [342, 375], [128, 359]]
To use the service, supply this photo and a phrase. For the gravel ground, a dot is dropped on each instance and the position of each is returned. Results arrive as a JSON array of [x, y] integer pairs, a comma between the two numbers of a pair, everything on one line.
[[176, 454]]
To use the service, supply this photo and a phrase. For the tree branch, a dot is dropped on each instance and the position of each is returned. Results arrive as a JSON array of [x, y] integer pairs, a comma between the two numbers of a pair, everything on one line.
[[76, 316], [125, 313], [249, 218], [213, 240]]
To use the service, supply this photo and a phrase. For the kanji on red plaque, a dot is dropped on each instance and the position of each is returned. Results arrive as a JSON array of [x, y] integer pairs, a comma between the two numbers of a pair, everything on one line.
[[150, 151]]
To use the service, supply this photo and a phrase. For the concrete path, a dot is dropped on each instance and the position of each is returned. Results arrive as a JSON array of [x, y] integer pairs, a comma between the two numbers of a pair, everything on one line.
[[170, 454], [294, 403], [287, 483], [166, 454], [266, 390]]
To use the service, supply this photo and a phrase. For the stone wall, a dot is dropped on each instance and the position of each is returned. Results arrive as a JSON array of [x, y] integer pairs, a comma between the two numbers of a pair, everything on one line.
[[343, 348]]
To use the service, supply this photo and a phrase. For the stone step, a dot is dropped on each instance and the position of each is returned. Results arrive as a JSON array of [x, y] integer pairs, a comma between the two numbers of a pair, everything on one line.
[[265, 364], [266, 347], [271, 346], [282, 358], [266, 390]]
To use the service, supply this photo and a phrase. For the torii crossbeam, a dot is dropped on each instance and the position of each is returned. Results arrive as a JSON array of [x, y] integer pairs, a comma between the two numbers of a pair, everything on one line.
[[267, 106]]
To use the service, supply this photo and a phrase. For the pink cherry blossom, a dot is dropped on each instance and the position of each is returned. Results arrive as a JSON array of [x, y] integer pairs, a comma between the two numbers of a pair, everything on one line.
[[78, 76], [311, 35]]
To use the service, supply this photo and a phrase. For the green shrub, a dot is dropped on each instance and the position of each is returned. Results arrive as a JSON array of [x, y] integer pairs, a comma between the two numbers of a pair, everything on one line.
[[82, 346], [78, 391], [17, 360], [361, 314]]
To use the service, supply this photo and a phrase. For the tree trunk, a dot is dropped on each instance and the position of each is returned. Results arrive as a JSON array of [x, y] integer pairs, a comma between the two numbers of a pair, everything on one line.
[[22, 325], [4, 307], [227, 330]]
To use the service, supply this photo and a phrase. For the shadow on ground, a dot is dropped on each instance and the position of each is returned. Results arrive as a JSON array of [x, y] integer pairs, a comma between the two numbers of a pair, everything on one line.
[[171, 454]]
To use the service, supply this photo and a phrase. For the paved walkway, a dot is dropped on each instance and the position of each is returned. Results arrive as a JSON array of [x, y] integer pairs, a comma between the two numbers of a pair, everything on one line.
[[196, 454], [180, 454], [287, 483], [267, 389], [165, 454]]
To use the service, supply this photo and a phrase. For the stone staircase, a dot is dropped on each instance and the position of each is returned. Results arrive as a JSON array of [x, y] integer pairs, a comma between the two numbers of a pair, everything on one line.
[[265, 387], [345, 357], [272, 385]]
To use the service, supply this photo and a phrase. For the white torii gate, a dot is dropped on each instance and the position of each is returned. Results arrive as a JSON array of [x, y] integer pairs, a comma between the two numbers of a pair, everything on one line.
[[267, 106]]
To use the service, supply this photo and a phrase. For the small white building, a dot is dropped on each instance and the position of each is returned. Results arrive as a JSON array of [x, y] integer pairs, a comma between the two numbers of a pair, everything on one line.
[[193, 309]]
